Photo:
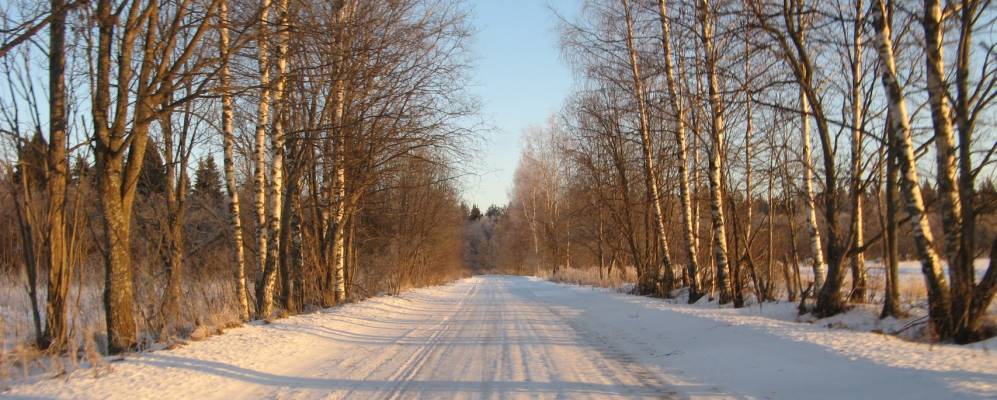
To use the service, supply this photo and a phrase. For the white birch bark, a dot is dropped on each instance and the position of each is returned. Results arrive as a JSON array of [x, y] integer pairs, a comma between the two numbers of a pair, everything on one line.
[[650, 177], [678, 110], [717, 134], [813, 230], [339, 144], [231, 186], [260, 152], [938, 296], [277, 166]]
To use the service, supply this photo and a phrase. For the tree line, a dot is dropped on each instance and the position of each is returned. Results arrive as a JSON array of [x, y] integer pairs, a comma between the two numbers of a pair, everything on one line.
[[341, 126], [719, 145]]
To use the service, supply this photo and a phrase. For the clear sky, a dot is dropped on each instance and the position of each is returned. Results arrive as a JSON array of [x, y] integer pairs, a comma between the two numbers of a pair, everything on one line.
[[520, 79]]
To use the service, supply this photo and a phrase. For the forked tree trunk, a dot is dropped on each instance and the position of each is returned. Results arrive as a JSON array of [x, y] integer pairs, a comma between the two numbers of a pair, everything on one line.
[[120, 143], [116, 179]]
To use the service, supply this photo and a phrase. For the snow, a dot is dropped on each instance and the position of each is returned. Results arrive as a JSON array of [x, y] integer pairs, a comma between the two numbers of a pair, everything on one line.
[[515, 337]]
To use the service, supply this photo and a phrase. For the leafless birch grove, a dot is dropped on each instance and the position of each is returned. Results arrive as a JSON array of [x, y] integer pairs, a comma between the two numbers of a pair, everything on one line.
[[805, 117], [339, 119], [742, 151]]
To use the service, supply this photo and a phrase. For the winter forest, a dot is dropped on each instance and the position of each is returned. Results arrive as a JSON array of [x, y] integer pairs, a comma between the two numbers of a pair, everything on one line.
[[771, 150], [269, 198]]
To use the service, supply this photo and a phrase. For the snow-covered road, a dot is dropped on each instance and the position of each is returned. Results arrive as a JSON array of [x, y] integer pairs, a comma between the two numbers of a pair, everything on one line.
[[513, 337]]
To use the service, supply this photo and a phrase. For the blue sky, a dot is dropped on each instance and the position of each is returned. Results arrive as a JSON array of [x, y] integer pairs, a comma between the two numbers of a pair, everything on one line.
[[520, 79]]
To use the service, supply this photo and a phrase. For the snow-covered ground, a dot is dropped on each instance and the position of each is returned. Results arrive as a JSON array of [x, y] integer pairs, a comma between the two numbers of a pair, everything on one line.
[[514, 337]]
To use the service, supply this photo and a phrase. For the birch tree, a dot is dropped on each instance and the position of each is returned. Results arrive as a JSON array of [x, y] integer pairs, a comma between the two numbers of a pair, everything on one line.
[[650, 175], [265, 293], [706, 21], [260, 152], [228, 144], [678, 111], [939, 300], [955, 170]]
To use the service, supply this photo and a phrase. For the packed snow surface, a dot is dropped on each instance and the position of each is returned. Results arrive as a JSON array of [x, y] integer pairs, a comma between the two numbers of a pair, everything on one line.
[[514, 337]]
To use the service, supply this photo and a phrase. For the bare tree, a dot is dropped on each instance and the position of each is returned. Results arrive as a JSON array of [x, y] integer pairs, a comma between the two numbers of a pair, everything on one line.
[[228, 140]]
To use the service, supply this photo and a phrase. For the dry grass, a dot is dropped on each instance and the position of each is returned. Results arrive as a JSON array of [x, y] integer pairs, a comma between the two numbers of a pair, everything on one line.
[[912, 290], [208, 304], [619, 279]]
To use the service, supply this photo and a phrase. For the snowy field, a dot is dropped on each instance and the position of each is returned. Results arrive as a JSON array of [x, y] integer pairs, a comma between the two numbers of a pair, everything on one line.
[[514, 337]]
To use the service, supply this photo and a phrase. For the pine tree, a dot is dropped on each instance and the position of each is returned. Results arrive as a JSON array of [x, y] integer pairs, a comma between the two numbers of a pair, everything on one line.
[[494, 211], [81, 168], [152, 176], [207, 181], [31, 160]]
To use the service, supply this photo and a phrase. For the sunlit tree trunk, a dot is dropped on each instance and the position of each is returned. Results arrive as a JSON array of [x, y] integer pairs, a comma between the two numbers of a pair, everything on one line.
[[176, 156], [809, 201], [692, 268], [891, 299], [260, 149], [969, 300], [57, 256], [116, 176], [858, 241], [231, 186], [338, 225], [265, 295], [715, 157], [650, 176], [939, 302]]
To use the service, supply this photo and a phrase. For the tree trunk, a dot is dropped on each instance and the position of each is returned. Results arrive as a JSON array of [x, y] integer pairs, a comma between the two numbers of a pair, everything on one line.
[[57, 256], [176, 188], [939, 302], [809, 201], [28, 225], [891, 300], [717, 136], [231, 186], [265, 294], [692, 267], [858, 257], [122, 334], [969, 300], [338, 228], [650, 176], [260, 152]]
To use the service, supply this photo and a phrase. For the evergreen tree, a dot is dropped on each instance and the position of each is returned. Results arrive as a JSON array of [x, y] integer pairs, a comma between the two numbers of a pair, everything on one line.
[[81, 168], [207, 180], [494, 211], [31, 159], [475, 213], [152, 176]]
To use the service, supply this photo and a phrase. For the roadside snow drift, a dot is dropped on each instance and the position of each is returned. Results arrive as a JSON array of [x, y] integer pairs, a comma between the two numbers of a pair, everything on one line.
[[513, 337]]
